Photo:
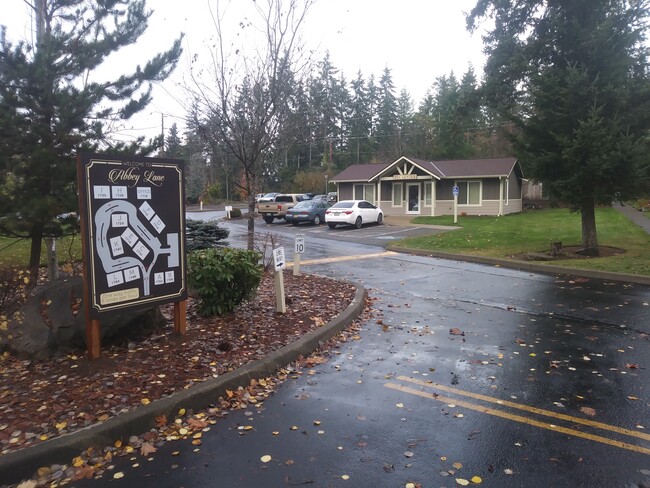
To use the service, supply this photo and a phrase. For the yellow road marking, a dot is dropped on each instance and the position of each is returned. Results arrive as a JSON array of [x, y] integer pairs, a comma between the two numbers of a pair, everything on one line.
[[339, 259], [519, 406], [519, 418]]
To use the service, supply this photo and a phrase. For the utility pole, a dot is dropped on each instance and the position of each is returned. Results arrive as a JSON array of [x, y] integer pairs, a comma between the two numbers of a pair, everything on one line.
[[162, 133]]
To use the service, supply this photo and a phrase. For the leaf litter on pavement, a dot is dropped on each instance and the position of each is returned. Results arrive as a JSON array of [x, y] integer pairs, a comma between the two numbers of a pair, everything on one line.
[[117, 380]]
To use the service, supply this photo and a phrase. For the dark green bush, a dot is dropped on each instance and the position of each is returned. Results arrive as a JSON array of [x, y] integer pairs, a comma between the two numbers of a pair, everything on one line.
[[202, 234], [223, 278]]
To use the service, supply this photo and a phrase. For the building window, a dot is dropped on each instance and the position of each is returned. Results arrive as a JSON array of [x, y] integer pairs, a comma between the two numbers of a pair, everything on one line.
[[397, 194], [469, 192], [364, 192], [427, 193]]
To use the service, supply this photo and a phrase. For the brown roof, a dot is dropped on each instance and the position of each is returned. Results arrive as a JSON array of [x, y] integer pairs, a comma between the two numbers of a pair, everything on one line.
[[360, 172], [457, 168]]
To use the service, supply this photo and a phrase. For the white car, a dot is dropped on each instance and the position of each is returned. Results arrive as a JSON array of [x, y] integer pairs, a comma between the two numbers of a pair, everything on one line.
[[353, 212]]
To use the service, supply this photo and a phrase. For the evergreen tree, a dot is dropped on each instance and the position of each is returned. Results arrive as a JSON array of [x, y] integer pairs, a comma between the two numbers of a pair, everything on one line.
[[404, 135], [574, 78], [360, 122], [387, 116], [50, 107], [174, 144]]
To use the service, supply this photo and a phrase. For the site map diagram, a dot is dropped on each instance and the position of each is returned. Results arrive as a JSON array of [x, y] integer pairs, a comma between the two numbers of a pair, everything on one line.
[[135, 232]]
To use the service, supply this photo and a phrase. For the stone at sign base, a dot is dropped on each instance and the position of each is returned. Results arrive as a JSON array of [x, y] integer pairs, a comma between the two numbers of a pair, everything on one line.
[[51, 322]]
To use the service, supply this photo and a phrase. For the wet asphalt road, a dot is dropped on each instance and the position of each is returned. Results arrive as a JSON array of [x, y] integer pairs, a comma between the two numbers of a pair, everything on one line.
[[524, 380]]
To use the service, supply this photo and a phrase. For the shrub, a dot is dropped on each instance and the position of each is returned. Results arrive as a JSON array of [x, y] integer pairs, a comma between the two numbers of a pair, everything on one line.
[[223, 278], [202, 234], [15, 285]]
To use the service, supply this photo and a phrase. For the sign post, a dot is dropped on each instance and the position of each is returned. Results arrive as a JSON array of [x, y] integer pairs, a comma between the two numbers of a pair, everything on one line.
[[298, 250], [455, 192], [133, 226], [279, 264]]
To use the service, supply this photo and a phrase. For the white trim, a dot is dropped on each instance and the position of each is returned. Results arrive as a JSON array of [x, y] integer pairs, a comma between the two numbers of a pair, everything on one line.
[[419, 202], [392, 192]]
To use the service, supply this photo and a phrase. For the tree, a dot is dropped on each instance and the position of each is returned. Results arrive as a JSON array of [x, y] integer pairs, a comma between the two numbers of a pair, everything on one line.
[[245, 104], [50, 107], [387, 117], [573, 76], [174, 144]]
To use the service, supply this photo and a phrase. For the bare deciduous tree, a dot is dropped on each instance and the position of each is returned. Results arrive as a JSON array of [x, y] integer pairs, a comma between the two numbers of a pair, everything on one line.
[[246, 97]]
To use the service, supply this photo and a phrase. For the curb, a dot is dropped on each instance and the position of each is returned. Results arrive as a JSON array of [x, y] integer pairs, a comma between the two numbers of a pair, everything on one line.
[[18, 465], [528, 266]]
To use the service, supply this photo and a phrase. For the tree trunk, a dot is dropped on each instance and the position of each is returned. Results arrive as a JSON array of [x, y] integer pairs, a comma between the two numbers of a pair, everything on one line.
[[589, 236], [251, 222], [35, 250]]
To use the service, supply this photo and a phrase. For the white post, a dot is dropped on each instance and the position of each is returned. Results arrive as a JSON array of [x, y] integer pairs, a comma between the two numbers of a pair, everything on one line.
[[455, 209], [201, 204], [296, 264], [278, 261], [298, 249]]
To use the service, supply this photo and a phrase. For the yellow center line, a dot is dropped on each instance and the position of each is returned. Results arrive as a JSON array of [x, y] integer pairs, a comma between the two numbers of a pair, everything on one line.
[[519, 418], [519, 406], [339, 259]]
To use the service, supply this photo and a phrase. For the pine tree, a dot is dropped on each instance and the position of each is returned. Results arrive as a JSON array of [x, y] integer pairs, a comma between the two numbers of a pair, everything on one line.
[[574, 77], [50, 108], [387, 116]]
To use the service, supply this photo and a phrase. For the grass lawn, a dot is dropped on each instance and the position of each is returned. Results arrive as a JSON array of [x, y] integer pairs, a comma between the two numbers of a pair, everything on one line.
[[16, 251], [533, 231]]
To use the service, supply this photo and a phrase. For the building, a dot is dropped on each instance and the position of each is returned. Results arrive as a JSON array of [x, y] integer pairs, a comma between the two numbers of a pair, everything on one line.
[[410, 186]]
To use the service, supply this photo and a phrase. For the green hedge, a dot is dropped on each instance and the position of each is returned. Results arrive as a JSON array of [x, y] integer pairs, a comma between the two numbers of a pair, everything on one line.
[[223, 278]]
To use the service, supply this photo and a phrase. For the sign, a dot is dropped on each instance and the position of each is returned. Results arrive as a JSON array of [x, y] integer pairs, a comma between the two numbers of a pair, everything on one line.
[[455, 191], [300, 244], [133, 216], [278, 258], [404, 177]]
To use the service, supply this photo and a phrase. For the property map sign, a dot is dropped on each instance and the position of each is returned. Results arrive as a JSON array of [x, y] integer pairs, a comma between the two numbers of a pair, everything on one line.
[[134, 224]]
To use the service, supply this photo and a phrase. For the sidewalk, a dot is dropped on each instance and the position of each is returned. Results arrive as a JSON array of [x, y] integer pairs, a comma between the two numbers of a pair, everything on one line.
[[634, 215]]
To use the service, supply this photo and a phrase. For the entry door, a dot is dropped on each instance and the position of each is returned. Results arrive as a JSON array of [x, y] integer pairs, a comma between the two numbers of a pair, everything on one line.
[[413, 198]]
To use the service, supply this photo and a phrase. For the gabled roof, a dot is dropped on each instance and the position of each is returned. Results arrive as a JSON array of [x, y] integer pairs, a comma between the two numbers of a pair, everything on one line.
[[448, 169], [360, 172]]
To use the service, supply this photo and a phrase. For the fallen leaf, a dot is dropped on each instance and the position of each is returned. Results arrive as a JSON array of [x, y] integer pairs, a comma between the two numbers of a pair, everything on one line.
[[28, 484], [456, 331], [266, 458], [631, 366], [345, 477], [118, 475], [146, 449], [161, 420], [588, 411], [476, 480], [408, 454], [462, 481]]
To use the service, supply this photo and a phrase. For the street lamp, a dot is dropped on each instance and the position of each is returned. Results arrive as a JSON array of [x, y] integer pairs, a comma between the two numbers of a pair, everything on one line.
[[325, 184]]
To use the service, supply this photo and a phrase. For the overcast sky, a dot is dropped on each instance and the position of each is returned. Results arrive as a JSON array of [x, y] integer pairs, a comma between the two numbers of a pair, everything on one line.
[[418, 40]]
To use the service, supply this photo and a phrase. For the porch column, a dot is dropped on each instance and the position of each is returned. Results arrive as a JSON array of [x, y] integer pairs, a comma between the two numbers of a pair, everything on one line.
[[500, 197], [379, 192], [433, 197]]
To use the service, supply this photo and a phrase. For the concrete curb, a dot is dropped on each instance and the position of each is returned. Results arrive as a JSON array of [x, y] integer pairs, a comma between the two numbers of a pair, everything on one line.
[[528, 266], [22, 464]]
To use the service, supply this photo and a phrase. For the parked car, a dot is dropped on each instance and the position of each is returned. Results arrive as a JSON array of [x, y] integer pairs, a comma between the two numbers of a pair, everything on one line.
[[353, 212], [320, 198], [307, 211], [258, 196], [332, 197], [268, 197], [277, 209]]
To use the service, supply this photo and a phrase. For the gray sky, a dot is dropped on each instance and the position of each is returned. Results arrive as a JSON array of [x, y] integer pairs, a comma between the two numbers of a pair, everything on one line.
[[418, 40]]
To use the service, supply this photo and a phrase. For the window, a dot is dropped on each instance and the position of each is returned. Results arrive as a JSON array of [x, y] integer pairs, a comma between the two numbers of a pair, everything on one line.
[[469, 192], [397, 194], [364, 192], [427, 193]]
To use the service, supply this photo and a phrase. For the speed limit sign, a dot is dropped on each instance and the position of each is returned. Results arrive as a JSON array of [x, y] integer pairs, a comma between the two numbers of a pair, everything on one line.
[[300, 244]]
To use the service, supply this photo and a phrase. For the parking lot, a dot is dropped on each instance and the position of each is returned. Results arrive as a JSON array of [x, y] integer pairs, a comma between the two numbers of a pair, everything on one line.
[[382, 235]]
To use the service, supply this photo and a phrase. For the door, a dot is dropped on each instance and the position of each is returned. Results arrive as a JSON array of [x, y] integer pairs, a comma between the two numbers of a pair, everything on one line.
[[413, 198]]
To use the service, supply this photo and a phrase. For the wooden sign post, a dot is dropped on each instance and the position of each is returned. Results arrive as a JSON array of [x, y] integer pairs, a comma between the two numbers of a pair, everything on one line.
[[132, 214]]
